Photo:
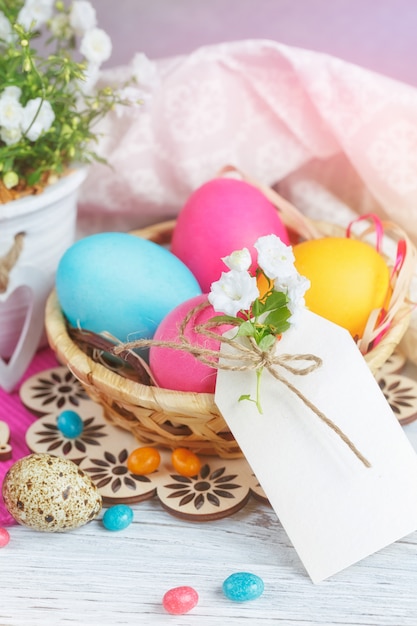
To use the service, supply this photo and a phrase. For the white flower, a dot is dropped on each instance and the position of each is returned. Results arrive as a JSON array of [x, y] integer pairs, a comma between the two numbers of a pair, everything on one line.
[[239, 260], [11, 92], [6, 33], [60, 27], [144, 71], [233, 292], [38, 118], [96, 46], [35, 11], [274, 257], [133, 96], [10, 135], [11, 112], [91, 75], [294, 287], [82, 16]]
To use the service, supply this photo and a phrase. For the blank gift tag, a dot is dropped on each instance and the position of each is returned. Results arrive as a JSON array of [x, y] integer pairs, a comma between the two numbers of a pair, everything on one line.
[[335, 510]]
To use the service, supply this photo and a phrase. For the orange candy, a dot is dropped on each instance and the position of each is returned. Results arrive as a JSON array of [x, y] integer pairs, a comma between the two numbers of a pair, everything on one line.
[[185, 462], [143, 461]]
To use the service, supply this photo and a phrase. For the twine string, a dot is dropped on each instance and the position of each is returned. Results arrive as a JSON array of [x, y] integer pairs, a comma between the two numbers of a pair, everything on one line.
[[9, 260], [244, 358]]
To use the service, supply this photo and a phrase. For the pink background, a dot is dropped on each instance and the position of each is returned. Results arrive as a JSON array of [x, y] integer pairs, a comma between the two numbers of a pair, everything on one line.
[[377, 34]]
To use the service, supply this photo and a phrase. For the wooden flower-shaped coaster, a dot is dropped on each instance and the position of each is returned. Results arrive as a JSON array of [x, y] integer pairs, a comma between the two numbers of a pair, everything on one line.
[[221, 488], [400, 391], [52, 391]]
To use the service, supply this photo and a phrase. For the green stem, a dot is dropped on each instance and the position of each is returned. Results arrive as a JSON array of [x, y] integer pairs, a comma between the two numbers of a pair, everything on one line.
[[258, 389]]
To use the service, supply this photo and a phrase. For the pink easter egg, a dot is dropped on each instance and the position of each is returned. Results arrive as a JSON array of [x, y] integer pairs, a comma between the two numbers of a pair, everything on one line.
[[221, 216], [179, 370]]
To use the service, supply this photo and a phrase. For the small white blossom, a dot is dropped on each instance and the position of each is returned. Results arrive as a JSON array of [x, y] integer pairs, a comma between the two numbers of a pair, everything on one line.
[[91, 75], [274, 257], [144, 71], [11, 92], [38, 118], [60, 26], [82, 16], [6, 33], [35, 12], [133, 96], [96, 46], [239, 260], [233, 292], [11, 112], [10, 135], [294, 287]]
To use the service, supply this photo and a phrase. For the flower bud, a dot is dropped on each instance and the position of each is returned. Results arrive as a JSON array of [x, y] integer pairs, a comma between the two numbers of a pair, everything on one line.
[[66, 130], [10, 179]]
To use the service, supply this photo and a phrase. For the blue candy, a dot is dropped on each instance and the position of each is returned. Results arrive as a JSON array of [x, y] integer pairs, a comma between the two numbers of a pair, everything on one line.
[[243, 586], [118, 517], [70, 424]]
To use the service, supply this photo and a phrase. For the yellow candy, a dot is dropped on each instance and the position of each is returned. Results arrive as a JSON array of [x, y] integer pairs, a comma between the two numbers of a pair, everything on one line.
[[349, 279]]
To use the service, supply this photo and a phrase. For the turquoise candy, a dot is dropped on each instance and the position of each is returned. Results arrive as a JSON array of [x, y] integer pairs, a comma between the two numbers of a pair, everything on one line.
[[118, 517], [243, 586], [70, 424]]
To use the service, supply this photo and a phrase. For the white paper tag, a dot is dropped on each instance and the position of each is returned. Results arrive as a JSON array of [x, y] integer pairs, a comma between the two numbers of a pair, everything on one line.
[[334, 509]]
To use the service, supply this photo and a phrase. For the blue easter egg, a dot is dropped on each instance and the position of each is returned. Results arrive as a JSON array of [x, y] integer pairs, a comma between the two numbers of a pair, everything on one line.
[[118, 517], [243, 586], [70, 424], [121, 284]]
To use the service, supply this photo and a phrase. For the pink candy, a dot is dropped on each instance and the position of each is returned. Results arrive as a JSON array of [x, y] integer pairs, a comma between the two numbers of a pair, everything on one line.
[[180, 600], [4, 537]]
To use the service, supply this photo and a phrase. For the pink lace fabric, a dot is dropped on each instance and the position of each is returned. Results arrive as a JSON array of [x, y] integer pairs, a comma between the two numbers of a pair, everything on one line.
[[335, 139]]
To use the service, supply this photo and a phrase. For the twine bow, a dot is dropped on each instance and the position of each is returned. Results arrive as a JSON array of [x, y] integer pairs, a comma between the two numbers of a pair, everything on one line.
[[244, 358], [9, 260]]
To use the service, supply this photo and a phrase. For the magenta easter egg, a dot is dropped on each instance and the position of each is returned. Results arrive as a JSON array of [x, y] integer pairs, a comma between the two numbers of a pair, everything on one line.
[[177, 369], [221, 216]]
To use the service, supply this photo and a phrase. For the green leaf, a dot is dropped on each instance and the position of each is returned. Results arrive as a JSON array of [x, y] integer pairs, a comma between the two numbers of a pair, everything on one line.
[[246, 329], [275, 300], [267, 342], [34, 177], [257, 307], [226, 319], [278, 320]]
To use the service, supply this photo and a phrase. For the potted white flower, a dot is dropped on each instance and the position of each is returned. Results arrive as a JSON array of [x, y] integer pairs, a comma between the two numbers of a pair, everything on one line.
[[50, 57]]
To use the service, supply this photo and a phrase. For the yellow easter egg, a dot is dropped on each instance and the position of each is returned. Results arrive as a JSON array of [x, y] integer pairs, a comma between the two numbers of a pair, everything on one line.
[[349, 279]]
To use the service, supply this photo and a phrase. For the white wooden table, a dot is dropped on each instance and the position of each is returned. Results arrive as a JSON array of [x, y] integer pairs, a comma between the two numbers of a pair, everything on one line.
[[95, 577]]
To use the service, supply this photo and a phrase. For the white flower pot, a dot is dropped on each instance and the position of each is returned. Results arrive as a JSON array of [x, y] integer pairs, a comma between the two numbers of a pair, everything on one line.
[[48, 221]]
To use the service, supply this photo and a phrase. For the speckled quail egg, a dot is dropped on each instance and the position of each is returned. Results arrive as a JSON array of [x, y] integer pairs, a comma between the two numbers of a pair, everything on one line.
[[49, 493]]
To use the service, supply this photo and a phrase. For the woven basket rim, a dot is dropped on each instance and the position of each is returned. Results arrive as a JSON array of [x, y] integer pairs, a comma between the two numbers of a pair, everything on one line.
[[90, 372], [105, 380], [170, 418]]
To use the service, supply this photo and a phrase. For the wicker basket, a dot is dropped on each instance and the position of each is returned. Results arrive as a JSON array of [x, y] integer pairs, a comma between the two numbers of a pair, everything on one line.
[[171, 418]]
